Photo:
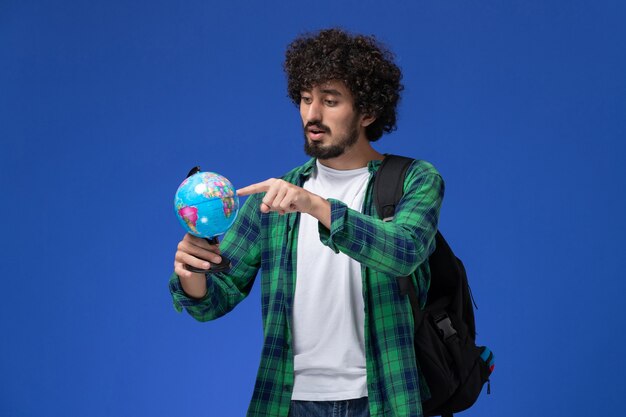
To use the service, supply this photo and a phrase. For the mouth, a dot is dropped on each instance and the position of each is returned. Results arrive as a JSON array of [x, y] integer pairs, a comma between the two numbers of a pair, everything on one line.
[[315, 133]]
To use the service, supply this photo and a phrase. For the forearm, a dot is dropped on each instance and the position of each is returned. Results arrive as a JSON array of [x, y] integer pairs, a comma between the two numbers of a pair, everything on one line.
[[222, 292], [397, 247], [205, 307], [384, 247], [194, 285]]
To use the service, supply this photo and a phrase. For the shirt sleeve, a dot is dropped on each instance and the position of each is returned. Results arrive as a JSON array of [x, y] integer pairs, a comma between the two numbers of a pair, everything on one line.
[[399, 246], [226, 289]]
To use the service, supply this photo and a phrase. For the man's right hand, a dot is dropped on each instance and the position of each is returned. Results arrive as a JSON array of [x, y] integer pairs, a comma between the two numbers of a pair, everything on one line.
[[196, 252]]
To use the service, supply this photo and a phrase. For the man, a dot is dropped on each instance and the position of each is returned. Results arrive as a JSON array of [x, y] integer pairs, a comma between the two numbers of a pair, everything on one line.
[[338, 336]]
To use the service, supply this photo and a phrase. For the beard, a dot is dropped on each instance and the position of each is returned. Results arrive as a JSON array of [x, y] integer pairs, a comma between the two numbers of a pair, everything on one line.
[[319, 151]]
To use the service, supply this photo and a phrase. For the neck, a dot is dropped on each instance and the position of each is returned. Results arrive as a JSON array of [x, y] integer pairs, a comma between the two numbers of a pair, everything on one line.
[[356, 156]]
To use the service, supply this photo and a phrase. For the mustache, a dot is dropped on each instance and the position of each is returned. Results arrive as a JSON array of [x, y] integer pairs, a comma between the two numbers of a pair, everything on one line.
[[318, 125]]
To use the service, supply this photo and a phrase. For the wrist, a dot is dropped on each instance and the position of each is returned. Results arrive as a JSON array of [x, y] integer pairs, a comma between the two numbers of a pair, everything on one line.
[[320, 209]]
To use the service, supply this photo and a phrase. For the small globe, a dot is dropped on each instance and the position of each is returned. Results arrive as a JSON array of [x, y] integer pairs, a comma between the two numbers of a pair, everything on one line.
[[206, 204]]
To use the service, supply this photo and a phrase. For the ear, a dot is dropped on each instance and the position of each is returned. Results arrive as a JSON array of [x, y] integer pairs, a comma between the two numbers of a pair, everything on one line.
[[367, 120]]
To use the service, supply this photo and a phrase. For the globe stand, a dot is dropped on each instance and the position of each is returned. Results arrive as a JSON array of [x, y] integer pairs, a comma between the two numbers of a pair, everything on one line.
[[222, 266]]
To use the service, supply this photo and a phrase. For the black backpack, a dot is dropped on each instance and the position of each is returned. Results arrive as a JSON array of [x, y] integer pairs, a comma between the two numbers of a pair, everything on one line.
[[455, 368]]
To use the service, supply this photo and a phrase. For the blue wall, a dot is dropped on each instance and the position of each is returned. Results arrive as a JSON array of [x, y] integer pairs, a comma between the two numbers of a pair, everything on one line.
[[105, 105]]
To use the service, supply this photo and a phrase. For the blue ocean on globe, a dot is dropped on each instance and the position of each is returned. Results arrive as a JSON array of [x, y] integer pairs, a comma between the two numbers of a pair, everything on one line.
[[206, 204]]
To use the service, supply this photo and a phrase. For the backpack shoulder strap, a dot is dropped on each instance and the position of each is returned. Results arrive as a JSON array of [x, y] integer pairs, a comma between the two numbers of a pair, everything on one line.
[[388, 190], [388, 184]]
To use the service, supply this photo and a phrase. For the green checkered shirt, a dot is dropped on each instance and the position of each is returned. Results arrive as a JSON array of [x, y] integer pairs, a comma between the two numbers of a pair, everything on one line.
[[385, 251]]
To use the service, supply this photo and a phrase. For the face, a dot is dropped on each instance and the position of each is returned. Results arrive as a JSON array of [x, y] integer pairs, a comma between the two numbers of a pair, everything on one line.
[[331, 124]]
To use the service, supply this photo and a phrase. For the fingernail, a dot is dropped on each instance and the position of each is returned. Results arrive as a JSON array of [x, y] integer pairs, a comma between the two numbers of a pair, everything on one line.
[[206, 265], [218, 260]]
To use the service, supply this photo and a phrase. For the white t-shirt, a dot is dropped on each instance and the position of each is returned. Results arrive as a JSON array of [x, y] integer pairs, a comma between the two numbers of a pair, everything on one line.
[[328, 312]]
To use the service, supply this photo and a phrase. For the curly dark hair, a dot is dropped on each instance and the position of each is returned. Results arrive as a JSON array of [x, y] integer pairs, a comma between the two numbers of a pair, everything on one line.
[[361, 62]]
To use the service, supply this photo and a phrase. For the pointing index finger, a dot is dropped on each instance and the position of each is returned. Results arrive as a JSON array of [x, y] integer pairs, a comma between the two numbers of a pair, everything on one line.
[[260, 187]]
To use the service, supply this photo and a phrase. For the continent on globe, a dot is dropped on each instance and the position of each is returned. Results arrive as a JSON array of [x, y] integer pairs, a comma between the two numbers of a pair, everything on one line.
[[216, 188], [190, 216]]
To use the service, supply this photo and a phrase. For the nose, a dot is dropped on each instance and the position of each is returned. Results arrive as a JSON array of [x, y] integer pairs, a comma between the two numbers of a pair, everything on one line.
[[313, 112]]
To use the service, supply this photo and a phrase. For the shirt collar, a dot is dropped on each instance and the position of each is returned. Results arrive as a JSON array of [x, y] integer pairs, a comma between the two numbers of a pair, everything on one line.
[[307, 168]]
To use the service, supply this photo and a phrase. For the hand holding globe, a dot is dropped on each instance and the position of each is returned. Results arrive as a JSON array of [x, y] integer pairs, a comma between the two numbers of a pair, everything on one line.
[[206, 205]]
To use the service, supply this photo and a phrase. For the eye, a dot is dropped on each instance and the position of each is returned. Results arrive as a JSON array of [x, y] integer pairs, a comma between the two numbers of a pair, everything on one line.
[[305, 99], [330, 103]]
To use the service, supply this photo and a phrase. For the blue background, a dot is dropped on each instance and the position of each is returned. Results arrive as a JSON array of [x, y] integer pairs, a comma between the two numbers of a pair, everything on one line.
[[105, 106]]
